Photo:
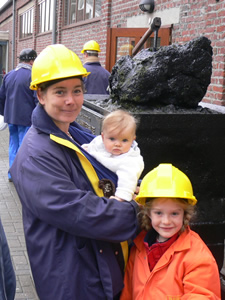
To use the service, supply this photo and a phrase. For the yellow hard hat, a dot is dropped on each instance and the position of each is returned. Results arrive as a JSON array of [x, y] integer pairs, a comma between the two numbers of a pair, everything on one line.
[[166, 181], [92, 46], [55, 62]]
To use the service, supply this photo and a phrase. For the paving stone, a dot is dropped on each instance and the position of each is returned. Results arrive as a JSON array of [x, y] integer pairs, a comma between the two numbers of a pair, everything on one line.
[[11, 216]]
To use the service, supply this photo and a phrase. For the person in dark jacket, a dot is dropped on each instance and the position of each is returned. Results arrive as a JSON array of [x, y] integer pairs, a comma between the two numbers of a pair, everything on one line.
[[17, 101], [98, 80], [7, 274], [75, 237]]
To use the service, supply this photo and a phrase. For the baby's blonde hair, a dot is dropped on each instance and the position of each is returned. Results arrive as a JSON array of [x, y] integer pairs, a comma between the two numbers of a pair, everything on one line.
[[119, 120], [145, 222]]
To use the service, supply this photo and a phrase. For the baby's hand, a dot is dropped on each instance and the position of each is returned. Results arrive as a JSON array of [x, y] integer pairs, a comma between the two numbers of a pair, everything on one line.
[[85, 147]]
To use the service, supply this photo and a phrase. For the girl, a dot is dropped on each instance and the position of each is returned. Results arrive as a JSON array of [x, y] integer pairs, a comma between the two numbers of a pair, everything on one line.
[[168, 260]]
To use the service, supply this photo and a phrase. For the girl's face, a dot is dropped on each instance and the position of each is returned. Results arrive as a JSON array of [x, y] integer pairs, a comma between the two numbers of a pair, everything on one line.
[[63, 101], [166, 216]]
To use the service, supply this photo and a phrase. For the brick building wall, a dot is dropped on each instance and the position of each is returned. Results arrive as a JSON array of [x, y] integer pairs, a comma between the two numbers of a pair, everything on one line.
[[206, 17], [188, 18]]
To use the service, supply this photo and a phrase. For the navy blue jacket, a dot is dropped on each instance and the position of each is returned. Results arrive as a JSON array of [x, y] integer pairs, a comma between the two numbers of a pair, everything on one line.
[[98, 81], [7, 274], [17, 101], [69, 230]]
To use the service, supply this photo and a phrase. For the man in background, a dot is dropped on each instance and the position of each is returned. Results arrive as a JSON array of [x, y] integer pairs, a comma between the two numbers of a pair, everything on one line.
[[17, 101], [97, 82]]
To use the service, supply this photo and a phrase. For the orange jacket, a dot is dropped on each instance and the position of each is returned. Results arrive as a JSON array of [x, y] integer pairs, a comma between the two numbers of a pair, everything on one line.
[[187, 270]]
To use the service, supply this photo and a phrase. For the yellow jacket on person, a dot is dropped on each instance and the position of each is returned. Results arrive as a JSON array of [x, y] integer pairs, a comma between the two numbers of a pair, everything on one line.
[[187, 270]]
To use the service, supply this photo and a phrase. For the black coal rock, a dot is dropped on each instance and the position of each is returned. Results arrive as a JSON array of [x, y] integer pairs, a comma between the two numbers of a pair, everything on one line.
[[175, 74]]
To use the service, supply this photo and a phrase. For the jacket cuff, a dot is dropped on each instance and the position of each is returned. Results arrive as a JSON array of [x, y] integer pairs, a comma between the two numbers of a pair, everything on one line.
[[135, 205]]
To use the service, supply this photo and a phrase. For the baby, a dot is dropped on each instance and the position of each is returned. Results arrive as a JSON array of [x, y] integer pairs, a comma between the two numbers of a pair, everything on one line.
[[117, 150]]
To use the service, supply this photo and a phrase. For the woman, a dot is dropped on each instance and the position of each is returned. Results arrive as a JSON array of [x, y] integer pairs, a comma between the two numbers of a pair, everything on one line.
[[72, 232]]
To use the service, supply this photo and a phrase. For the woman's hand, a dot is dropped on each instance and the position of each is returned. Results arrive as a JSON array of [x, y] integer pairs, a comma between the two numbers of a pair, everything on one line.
[[117, 198]]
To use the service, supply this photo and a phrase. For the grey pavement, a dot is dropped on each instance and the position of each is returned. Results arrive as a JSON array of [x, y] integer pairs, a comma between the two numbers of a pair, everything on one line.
[[11, 215]]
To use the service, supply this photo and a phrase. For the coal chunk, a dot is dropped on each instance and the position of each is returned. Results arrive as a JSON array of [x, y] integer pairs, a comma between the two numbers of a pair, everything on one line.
[[175, 74]]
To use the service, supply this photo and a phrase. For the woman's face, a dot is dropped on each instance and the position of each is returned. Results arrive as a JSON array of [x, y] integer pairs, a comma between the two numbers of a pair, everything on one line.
[[167, 215], [63, 101]]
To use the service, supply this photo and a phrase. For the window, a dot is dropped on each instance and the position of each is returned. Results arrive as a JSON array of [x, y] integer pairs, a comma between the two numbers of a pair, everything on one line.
[[45, 9], [26, 23], [80, 10]]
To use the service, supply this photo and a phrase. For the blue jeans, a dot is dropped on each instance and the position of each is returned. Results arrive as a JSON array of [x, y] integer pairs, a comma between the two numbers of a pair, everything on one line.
[[16, 135]]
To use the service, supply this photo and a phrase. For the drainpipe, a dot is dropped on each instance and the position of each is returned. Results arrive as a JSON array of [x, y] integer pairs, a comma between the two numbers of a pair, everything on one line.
[[54, 23], [13, 32]]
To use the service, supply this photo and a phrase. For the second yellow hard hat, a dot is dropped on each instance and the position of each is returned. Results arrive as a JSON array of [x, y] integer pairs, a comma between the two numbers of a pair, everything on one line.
[[166, 181]]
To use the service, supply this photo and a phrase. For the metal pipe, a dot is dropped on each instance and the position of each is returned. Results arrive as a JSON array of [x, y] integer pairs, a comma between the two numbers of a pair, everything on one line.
[[13, 33], [142, 41], [156, 23], [155, 40], [54, 23], [155, 26]]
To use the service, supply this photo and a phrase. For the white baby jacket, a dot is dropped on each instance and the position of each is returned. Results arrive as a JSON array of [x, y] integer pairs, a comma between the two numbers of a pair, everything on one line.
[[127, 166]]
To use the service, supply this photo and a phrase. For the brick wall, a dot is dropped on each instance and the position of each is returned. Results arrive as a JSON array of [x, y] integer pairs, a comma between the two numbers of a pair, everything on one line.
[[195, 18], [206, 17]]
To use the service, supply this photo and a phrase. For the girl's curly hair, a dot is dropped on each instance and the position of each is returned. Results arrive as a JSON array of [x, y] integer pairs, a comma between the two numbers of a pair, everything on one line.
[[145, 221]]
